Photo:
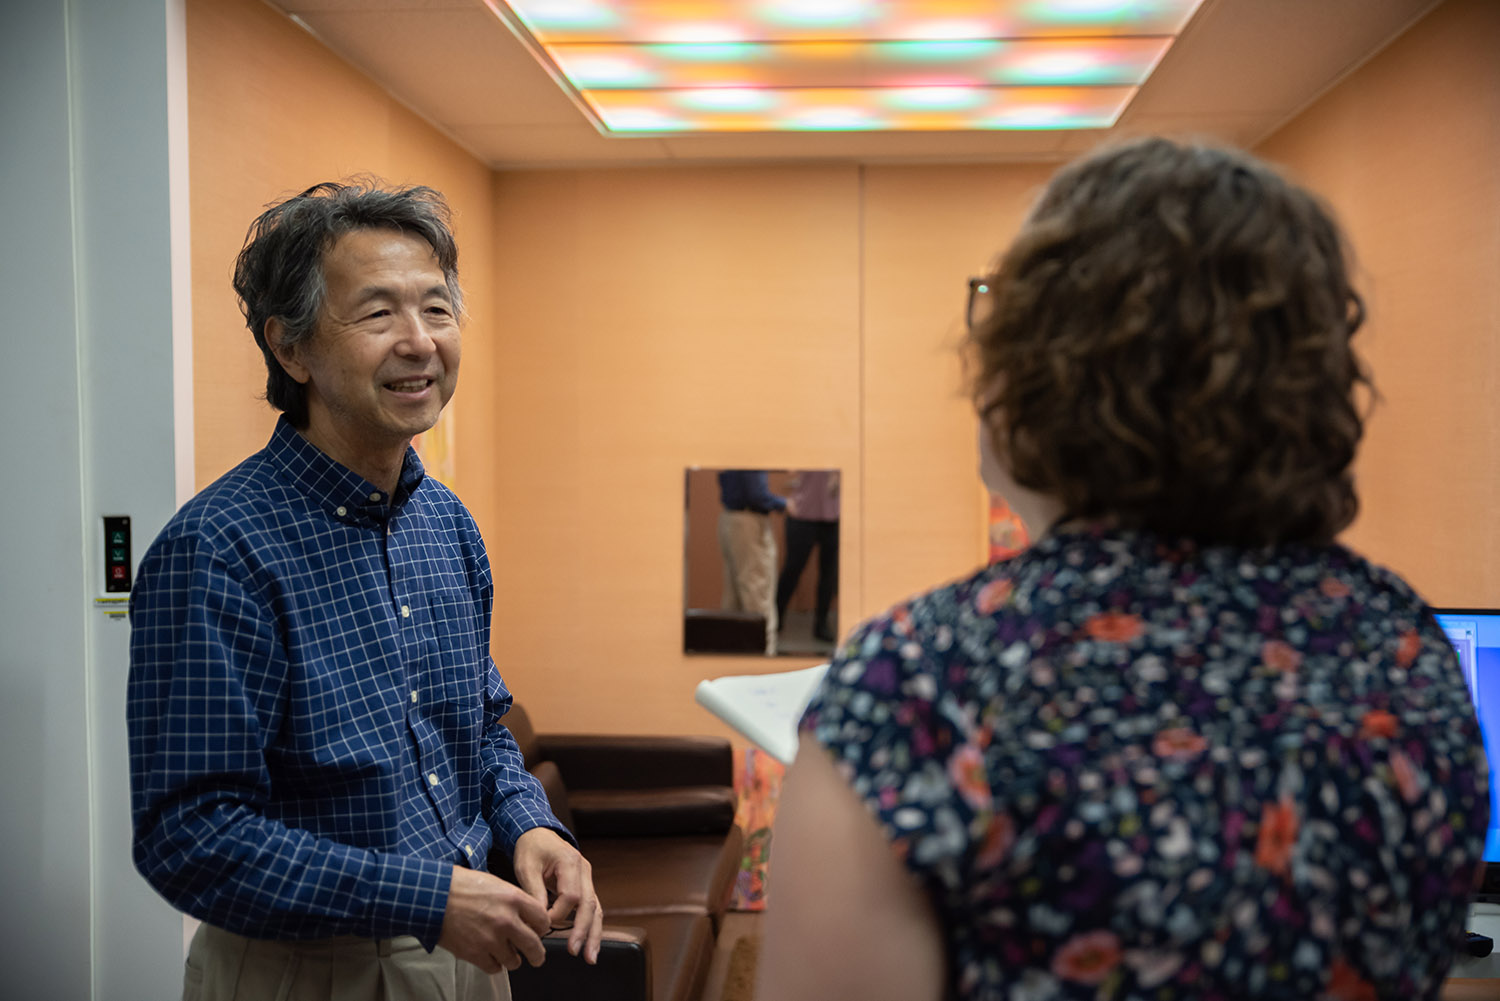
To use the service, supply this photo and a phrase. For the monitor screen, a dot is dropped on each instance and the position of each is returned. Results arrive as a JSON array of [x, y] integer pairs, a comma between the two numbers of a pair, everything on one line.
[[1475, 634]]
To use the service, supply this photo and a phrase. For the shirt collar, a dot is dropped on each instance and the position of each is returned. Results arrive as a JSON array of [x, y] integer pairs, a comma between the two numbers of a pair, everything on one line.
[[339, 490]]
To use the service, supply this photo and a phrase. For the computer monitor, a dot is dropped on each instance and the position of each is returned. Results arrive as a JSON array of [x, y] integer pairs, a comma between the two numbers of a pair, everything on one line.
[[1475, 634]]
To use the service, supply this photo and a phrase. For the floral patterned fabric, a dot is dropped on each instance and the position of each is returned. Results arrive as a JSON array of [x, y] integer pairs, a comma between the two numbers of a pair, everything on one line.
[[757, 786], [1133, 769]]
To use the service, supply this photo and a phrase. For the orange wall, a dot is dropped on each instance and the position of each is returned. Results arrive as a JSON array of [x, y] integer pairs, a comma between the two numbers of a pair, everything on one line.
[[775, 317], [655, 320], [925, 231], [271, 112], [1406, 150]]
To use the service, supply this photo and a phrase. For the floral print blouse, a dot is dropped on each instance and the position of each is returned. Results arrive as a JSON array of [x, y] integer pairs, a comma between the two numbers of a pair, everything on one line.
[[1130, 768]]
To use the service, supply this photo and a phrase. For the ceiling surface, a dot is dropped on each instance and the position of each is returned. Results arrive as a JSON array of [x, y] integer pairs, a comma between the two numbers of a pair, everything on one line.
[[1240, 70]]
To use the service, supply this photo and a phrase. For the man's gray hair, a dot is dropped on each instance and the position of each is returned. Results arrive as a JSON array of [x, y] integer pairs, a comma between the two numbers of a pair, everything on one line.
[[280, 269]]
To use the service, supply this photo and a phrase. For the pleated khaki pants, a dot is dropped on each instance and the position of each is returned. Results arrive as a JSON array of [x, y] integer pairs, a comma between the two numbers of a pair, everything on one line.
[[748, 546], [223, 966]]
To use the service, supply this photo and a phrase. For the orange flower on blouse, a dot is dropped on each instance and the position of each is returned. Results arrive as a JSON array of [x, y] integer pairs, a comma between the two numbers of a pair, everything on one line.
[[966, 769], [1407, 651], [1279, 656], [999, 837], [1377, 723], [1332, 587], [1178, 742], [1405, 774], [1114, 627], [993, 595], [1278, 833], [1088, 958], [1346, 985]]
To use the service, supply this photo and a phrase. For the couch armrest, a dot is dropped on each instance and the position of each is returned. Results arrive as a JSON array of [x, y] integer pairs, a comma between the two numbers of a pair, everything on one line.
[[589, 761], [628, 813], [623, 972]]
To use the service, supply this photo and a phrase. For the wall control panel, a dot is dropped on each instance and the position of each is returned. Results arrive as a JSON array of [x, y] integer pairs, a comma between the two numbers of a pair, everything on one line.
[[116, 553]]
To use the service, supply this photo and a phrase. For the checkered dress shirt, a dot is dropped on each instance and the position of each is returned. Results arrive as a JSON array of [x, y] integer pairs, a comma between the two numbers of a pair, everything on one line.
[[314, 717]]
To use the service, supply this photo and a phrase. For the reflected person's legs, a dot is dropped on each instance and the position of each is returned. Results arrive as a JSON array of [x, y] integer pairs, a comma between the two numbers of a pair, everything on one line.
[[828, 578], [760, 586], [750, 561], [800, 537], [729, 599], [750, 567]]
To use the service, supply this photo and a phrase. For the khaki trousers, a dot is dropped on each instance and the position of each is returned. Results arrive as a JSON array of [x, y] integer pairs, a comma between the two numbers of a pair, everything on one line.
[[223, 966], [749, 550]]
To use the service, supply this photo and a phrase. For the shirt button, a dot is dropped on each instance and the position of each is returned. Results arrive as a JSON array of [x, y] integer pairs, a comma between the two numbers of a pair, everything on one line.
[[468, 849], [340, 511], [432, 779], [405, 612], [375, 497], [414, 695]]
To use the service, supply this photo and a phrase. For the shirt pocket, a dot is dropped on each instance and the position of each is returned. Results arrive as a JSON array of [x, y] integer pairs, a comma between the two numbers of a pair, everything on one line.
[[458, 674]]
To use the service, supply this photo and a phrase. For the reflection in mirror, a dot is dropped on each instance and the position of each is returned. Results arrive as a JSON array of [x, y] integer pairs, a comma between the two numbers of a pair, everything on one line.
[[761, 562]]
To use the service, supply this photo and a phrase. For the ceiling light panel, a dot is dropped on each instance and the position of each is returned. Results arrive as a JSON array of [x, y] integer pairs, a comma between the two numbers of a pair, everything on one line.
[[556, 21], [804, 109], [979, 63], [672, 66]]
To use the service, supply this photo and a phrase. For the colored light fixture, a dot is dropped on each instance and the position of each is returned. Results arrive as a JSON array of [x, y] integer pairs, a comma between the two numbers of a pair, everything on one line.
[[673, 66]]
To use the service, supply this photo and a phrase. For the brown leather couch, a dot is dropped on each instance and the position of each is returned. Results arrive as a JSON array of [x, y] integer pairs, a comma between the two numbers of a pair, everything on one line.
[[655, 818]]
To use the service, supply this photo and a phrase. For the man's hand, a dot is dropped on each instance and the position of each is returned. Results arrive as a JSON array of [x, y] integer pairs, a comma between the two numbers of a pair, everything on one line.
[[543, 862], [492, 923]]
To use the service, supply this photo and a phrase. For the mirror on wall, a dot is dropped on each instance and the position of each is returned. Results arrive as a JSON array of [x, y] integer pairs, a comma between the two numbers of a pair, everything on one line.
[[761, 562]]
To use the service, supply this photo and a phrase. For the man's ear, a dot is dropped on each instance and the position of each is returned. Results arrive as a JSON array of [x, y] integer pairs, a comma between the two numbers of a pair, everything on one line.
[[286, 354]]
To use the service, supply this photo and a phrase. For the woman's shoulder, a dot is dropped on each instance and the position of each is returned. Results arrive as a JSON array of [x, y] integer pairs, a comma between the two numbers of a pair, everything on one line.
[[1074, 586], [920, 617], [922, 646]]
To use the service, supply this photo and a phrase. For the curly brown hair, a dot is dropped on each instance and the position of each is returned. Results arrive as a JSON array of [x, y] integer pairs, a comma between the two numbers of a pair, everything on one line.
[[1168, 346]]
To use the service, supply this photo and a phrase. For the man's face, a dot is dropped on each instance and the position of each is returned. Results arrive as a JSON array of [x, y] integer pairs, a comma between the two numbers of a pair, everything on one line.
[[383, 360]]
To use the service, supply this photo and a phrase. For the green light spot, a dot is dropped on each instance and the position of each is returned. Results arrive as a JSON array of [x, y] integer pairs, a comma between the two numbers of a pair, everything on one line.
[[706, 52], [1099, 12]]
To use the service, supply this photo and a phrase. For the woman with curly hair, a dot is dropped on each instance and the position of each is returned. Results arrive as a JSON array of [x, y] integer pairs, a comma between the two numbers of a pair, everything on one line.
[[1186, 745]]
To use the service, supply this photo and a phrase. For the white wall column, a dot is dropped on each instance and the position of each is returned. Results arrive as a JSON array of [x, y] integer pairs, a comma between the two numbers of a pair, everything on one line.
[[93, 194]]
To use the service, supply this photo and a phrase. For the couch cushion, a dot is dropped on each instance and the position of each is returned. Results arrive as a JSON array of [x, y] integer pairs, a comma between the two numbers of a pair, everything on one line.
[[684, 873], [642, 812], [623, 761]]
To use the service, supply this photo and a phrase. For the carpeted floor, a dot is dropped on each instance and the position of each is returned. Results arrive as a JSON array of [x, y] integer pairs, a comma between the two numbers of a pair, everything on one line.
[[739, 979]]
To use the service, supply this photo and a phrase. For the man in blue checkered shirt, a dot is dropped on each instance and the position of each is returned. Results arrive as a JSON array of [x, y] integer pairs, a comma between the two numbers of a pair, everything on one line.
[[318, 764]]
